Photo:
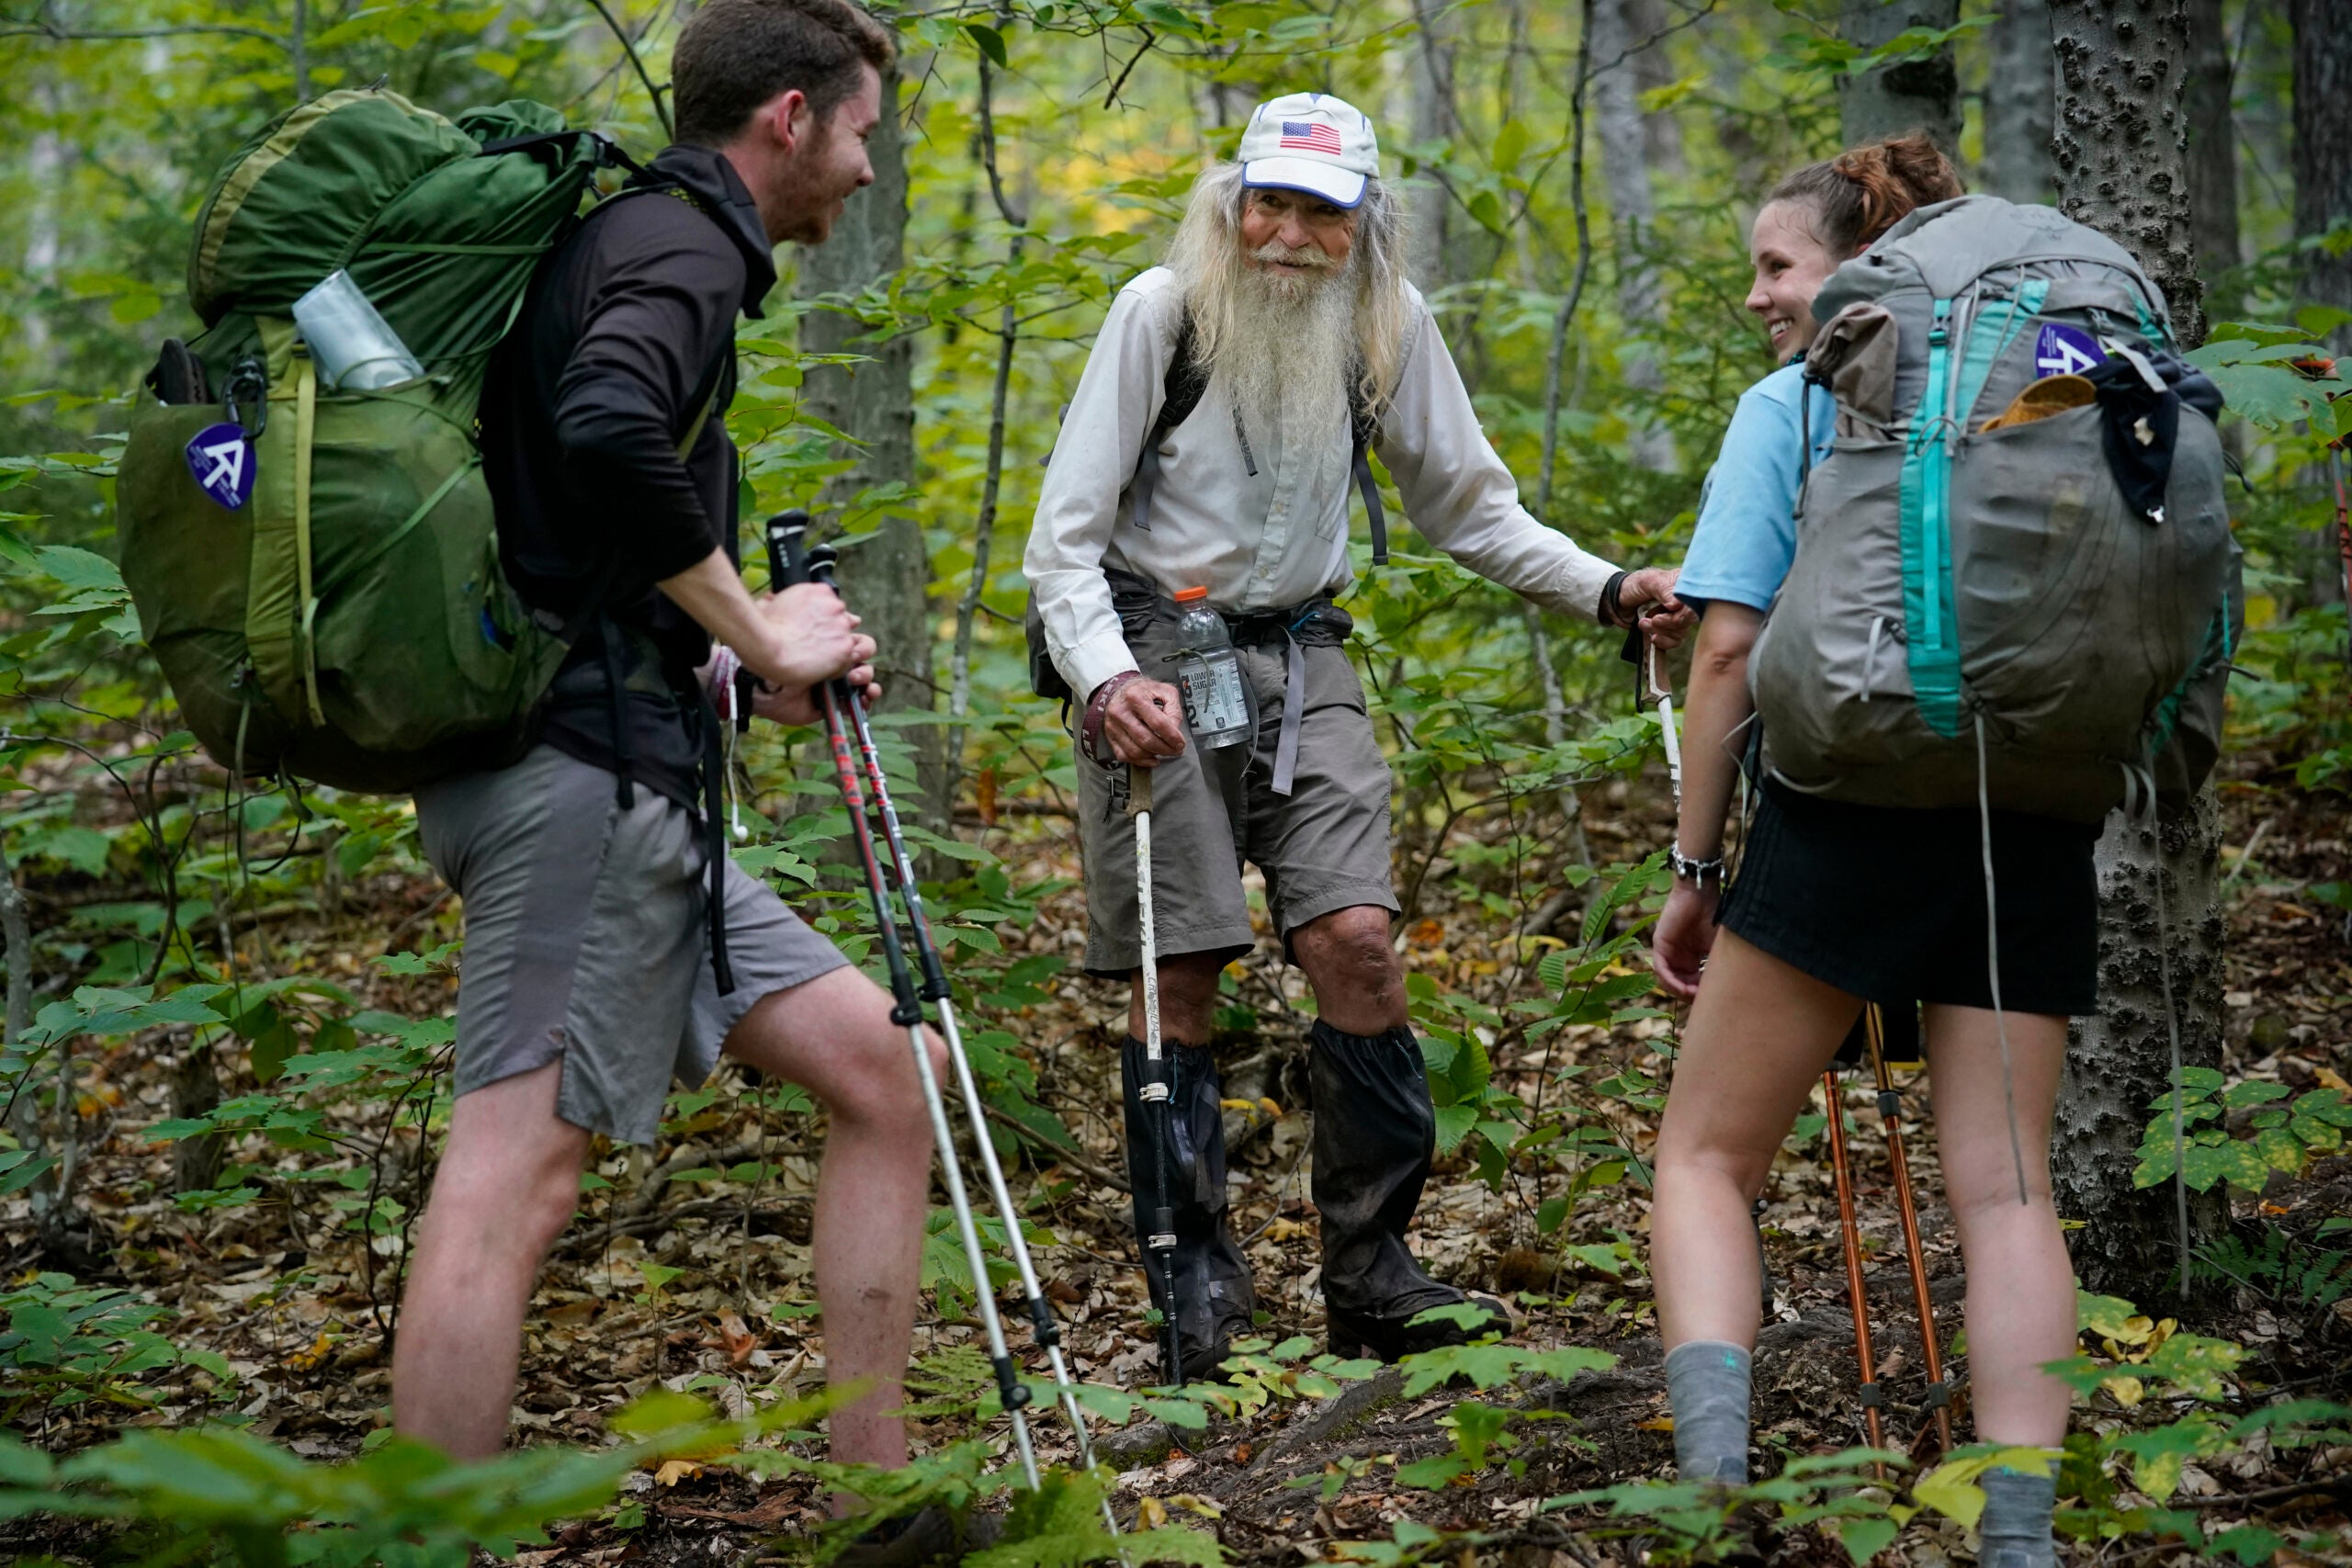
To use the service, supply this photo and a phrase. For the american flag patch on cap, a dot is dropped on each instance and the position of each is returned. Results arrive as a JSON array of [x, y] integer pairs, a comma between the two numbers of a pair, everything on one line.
[[1312, 136]]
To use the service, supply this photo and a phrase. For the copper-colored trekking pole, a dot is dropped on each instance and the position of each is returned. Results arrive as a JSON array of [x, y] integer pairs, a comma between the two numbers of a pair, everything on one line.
[[1889, 1106], [1855, 1294]]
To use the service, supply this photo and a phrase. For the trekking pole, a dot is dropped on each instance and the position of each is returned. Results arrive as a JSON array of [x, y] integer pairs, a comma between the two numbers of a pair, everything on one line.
[[788, 563], [1664, 695], [1890, 1105], [936, 990], [1851, 1232], [1159, 1235]]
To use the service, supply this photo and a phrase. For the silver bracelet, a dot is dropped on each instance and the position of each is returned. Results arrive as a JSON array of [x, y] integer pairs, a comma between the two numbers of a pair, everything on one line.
[[1696, 871]]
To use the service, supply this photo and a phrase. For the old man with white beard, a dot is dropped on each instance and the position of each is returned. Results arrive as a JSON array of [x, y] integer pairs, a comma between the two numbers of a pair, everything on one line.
[[1214, 441]]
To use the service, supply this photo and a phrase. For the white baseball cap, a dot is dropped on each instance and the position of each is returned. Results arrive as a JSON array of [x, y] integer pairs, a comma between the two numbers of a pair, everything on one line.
[[1310, 142]]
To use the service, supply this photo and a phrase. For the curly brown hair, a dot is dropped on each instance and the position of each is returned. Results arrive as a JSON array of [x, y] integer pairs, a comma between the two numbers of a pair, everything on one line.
[[735, 55], [1864, 191]]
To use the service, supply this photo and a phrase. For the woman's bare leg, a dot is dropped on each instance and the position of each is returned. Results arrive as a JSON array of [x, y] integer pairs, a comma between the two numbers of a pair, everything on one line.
[[1759, 1034], [2020, 1281]]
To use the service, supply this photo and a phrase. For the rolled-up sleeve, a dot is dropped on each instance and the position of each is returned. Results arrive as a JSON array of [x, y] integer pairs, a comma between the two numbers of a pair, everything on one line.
[[1460, 494], [1101, 436]]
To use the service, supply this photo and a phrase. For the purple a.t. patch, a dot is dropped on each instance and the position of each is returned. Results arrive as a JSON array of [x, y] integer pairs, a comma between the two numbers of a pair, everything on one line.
[[222, 460], [2066, 351]]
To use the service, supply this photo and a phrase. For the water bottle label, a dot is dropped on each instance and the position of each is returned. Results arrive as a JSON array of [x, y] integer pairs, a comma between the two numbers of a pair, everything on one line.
[[1214, 705]]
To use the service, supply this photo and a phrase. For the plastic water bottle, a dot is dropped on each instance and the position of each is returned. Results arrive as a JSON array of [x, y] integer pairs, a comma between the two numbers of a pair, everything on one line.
[[356, 350], [1209, 673]]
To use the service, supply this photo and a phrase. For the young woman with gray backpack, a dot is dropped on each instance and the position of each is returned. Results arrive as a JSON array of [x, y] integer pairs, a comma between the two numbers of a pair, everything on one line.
[[1968, 587]]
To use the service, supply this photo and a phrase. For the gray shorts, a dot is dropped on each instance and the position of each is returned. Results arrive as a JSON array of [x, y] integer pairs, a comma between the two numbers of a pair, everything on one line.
[[587, 941], [1322, 847]]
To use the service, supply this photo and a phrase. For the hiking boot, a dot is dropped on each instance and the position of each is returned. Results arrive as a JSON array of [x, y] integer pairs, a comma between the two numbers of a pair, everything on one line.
[[1213, 1295], [1374, 1135]]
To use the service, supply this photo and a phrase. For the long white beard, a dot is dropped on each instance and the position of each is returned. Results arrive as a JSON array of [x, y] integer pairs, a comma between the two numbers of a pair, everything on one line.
[[1285, 366]]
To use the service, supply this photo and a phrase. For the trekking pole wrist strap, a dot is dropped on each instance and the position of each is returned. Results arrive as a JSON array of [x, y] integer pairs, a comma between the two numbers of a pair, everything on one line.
[[1612, 611], [1700, 872], [1098, 706]]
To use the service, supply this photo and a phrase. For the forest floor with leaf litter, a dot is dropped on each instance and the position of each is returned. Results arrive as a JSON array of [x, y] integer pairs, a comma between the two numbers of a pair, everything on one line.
[[687, 1266]]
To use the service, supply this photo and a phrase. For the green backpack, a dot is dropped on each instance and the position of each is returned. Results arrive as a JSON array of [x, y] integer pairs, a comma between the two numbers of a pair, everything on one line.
[[317, 570]]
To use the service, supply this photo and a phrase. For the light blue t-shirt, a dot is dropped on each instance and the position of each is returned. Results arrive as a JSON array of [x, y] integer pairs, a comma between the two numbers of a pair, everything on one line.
[[1747, 524]]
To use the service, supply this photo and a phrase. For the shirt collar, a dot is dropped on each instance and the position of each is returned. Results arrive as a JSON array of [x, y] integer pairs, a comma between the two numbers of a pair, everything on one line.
[[704, 174]]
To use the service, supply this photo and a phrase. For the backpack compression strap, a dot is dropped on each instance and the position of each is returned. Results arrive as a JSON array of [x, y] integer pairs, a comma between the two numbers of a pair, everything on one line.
[[1181, 391]]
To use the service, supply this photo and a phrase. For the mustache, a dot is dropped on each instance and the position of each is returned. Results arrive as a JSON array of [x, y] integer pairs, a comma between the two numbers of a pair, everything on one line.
[[1305, 255]]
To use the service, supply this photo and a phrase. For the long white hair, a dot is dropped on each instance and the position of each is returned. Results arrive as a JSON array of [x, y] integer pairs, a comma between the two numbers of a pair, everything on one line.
[[1209, 261]]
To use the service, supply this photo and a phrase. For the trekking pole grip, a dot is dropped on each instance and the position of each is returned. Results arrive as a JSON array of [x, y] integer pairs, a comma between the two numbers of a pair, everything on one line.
[[787, 537], [1138, 789]]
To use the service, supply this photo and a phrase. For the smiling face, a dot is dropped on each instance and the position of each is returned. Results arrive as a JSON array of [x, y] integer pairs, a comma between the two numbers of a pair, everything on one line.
[[1295, 239], [808, 168], [1791, 267]]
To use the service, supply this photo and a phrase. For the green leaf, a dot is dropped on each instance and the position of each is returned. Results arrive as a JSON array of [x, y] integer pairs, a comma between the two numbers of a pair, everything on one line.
[[990, 41], [1864, 1538], [1453, 1124]]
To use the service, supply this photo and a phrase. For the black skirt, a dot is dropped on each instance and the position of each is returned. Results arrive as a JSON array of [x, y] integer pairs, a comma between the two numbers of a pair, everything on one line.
[[1889, 903]]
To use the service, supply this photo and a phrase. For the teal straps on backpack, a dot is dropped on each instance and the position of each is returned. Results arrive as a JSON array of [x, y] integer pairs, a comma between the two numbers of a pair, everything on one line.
[[1989, 336], [1925, 498]]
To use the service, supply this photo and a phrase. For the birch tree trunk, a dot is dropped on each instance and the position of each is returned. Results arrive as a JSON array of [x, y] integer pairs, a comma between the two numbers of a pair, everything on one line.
[[2322, 74], [1907, 95], [2121, 152], [887, 577], [2018, 93], [1624, 169]]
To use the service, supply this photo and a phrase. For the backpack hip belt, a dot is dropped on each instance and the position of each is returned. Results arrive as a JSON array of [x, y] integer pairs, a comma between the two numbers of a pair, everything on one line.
[[1317, 623]]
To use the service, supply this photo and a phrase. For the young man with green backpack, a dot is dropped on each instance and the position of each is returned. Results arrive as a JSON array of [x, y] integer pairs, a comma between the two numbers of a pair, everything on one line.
[[472, 536], [598, 962]]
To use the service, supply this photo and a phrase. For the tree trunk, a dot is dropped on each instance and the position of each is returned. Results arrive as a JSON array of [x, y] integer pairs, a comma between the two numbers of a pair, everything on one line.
[[2122, 168], [1905, 95], [1625, 168], [2323, 146], [2212, 143], [2120, 1062], [2121, 143], [885, 576], [1446, 245], [2019, 90]]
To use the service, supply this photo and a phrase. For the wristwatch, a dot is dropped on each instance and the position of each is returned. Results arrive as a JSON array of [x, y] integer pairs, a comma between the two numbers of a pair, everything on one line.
[[1698, 871]]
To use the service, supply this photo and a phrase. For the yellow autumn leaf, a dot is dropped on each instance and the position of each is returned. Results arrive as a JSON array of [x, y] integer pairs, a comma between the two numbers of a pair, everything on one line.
[[2125, 1390], [1150, 1514], [673, 1471], [304, 1361]]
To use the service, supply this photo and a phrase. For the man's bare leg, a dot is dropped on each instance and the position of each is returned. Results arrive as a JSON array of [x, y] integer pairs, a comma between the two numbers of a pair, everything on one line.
[[1187, 998], [508, 1183], [834, 1037], [1359, 980]]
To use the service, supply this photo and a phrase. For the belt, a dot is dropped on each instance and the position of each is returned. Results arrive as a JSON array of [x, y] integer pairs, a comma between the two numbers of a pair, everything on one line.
[[1317, 623]]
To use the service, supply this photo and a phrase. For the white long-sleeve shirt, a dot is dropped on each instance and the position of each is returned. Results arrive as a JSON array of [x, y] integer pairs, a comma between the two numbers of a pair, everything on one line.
[[1277, 536]]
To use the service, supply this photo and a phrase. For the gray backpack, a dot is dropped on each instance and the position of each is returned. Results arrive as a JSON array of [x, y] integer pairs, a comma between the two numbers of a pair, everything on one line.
[[2038, 615]]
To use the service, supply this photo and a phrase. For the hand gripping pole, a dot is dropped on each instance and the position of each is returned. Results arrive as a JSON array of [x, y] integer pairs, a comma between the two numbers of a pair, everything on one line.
[[788, 562]]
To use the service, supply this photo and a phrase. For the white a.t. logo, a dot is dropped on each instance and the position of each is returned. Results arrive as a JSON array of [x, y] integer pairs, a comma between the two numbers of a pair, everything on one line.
[[220, 460]]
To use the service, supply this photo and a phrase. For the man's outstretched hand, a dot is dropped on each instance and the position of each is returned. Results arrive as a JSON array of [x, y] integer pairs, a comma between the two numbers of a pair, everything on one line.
[[1145, 723], [1670, 620]]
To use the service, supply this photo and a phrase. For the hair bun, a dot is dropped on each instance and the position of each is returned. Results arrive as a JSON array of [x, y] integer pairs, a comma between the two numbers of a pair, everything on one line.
[[1866, 190]]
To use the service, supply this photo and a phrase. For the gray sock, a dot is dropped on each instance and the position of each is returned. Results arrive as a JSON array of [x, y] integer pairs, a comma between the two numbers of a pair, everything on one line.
[[2015, 1531], [1706, 1385]]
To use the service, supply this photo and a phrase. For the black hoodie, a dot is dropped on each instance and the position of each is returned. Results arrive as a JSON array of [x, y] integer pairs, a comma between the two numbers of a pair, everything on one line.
[[629, 325]]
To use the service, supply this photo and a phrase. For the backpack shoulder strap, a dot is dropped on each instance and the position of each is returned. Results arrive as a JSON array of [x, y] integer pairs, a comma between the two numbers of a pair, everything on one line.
[[1180, 393], [1363, 425]]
